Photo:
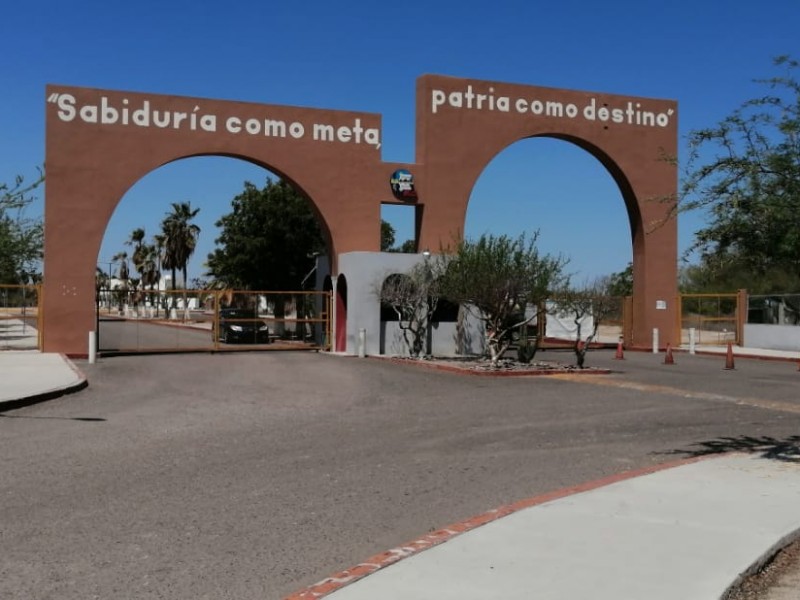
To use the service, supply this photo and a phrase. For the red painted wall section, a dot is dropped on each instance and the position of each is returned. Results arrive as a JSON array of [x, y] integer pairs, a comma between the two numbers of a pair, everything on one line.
[[341, 314]]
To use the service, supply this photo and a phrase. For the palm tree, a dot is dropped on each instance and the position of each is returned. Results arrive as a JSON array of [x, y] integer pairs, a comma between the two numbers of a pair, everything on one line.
[[137, 241], [149, 269], [159, 241], [101, 279], [180, 239], [123, 274], [158, 244]]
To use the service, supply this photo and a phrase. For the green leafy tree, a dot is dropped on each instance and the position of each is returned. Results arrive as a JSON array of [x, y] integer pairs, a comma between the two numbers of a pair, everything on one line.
[[387, 236], [21, 242], [497, 278], [705, 279], [407, 247], [745, 173], [620, 284], [21, 238], [268, 241]]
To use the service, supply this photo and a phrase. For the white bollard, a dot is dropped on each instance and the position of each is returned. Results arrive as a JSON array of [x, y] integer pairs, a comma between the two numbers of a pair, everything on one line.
[[92, 347], [362, 343], [655, 340], [692, 340]]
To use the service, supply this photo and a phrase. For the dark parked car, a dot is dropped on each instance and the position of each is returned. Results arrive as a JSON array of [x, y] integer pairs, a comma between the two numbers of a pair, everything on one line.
[[242, 325]]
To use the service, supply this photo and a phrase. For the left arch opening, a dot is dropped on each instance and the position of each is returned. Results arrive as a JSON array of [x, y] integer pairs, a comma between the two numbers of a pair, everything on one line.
[[209, 184]]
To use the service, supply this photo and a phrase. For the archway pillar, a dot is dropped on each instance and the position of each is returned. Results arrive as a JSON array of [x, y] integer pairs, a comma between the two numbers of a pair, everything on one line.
[[654, 234], [463, 124], [654, 291], [76, 218]]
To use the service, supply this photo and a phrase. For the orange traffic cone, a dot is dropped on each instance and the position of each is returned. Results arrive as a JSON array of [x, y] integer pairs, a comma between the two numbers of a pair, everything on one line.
[[668, 360], [619, 355], [729, 358]]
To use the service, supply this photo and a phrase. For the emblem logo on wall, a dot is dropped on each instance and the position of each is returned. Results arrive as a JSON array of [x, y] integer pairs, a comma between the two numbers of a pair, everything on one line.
[[402, 183]]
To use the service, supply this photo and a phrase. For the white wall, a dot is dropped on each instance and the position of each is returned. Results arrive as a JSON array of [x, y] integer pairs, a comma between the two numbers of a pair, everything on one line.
[[365, 273], [445, 338], [772, 337]]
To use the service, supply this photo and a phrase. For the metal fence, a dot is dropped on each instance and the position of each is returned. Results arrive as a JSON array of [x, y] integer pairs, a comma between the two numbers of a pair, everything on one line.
[[20, 317], [220, 320], [776, 309], [714, 318]]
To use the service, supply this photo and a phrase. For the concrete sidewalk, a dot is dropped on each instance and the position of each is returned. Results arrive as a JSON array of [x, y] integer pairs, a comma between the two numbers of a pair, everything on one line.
[[686, 532], [30, 376]]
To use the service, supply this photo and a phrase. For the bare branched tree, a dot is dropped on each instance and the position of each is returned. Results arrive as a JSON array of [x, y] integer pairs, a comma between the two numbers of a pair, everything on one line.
[[413, 296], [588, 306]]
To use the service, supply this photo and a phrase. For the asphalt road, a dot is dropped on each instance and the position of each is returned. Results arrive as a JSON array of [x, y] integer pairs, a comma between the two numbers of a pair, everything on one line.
[[248, 476]]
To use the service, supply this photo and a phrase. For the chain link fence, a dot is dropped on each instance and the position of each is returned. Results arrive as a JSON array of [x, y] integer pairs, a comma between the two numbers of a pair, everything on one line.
[[775, 309], [713, 317], [130, 321]]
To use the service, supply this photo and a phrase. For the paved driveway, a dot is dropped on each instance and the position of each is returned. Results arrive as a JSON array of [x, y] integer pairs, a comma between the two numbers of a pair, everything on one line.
[[249, 476]]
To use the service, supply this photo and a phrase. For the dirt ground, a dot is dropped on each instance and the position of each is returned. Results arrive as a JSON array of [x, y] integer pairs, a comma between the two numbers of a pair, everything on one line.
[[779, 580]]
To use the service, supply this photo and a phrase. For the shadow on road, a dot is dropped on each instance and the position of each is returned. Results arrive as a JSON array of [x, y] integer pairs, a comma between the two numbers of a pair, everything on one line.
[[786, 450]]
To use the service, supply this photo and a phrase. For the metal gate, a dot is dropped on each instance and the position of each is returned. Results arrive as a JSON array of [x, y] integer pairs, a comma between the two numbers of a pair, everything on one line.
[[150, 321], [20, 317], [714, 318]]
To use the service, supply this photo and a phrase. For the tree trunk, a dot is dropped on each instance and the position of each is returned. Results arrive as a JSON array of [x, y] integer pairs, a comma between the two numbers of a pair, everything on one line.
[[185, 297]]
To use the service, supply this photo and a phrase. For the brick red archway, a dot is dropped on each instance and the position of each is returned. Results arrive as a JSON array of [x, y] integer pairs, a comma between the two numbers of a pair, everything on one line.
[[99, 143]]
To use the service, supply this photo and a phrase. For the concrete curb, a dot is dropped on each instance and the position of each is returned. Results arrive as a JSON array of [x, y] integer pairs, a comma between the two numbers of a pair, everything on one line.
[[761, 562], [788, 359], [390, 557], [433, 365]]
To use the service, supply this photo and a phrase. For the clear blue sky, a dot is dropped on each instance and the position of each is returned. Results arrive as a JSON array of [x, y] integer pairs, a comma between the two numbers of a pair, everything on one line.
[[366, 56]]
